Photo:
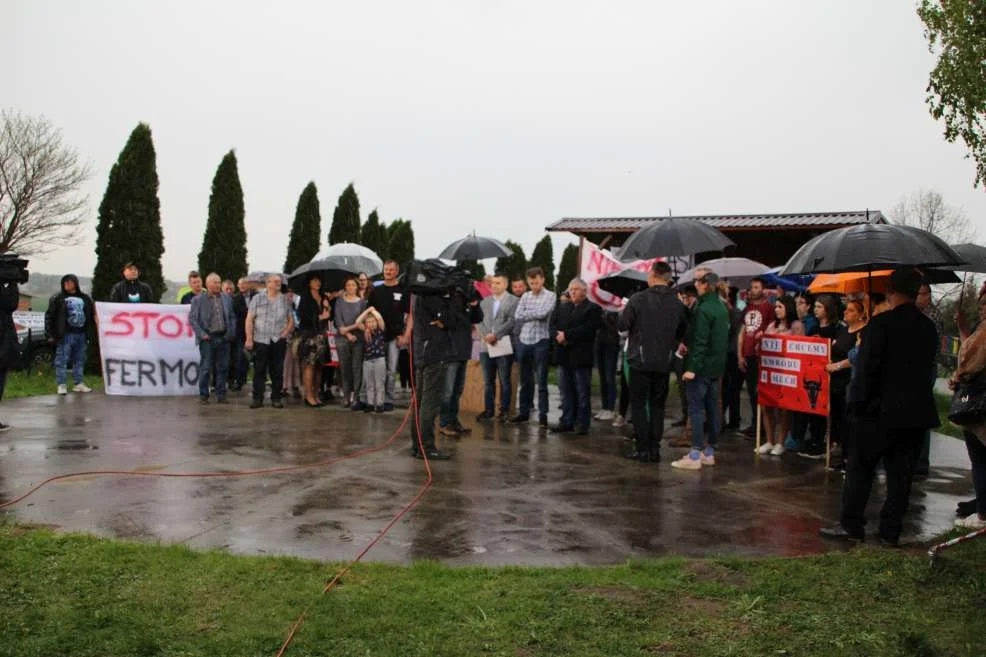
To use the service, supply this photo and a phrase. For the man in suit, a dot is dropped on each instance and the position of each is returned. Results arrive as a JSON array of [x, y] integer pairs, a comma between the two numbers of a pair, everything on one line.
[[214, 322], [892, 406], [496, 329], [573, 327]]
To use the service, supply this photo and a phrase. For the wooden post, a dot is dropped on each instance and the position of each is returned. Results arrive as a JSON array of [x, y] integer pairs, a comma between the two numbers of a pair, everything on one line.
[[759, 419]]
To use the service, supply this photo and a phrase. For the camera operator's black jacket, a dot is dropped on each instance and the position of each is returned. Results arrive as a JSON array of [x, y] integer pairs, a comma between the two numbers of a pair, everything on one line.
[[9, 298], [433, 344], [56, 317]]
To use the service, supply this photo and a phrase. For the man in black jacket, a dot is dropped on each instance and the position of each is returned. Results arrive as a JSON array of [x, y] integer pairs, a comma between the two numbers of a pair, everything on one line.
[[238, 365], [9, 298], [893, 405], [131, 289], [433, 323], [656, 321], [68, 320], [573, 328], [467, 312]]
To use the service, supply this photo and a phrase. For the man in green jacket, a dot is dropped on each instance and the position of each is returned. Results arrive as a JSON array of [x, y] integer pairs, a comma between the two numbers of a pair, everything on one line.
[[705, 362]]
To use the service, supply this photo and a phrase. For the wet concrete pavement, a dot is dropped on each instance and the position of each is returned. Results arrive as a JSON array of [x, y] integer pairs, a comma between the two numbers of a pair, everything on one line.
[[511, 495]]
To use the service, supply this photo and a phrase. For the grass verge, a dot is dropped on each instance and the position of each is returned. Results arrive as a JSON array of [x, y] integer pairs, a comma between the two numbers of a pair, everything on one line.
[[40, 382], [81, 596]]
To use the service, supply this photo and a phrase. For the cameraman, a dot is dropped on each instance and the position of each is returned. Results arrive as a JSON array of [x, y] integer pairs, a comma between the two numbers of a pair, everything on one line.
[[9, 297]]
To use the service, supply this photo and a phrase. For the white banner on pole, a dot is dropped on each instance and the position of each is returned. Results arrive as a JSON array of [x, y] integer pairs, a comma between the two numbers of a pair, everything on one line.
[[147, 349], [597, 263]]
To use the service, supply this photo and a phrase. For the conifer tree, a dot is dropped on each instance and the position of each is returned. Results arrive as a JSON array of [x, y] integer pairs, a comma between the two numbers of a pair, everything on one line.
[[568, 268], [224, 244], [543, 257], [129, 228], [345, 218], [515, 266], [401, 243], [475, 268], [306, 231], [373, 235]]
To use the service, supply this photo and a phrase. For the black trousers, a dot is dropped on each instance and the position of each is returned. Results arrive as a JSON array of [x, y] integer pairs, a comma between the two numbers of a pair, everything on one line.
[[648, 394], [268, 359], [429, 381], [899, 449]]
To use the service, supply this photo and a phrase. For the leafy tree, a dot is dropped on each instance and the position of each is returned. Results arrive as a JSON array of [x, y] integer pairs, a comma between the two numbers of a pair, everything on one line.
[[568, 268], [543, 257], [42, 206], [306, 231], [401, 242], [513, 265], [956, 32], [374, 235], [345, 218], [224, 244], [475, 268], [129, 227]]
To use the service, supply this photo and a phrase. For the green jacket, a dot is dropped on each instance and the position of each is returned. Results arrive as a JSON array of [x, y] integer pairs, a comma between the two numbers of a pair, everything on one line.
[[708, 337]]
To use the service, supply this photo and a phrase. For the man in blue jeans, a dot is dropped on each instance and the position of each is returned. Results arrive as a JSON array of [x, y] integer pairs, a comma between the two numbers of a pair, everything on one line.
[[705, 363], [67, 322], [214, 322], [532, 314]]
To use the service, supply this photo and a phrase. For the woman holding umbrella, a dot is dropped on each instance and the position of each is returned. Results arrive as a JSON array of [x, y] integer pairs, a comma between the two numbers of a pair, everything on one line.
[[313, 316]]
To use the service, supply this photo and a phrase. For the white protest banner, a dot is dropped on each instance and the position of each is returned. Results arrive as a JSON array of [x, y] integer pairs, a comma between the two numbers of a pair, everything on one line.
[[597, 263], [147, 349]]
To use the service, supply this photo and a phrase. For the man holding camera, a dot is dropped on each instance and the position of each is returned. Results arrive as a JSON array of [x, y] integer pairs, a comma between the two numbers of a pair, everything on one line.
[[12, 272]]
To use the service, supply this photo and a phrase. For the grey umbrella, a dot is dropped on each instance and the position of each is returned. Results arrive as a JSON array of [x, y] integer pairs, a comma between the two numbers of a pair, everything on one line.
[[673, 238], [974, 256], [473, 247], [334, 264], [739, 271]]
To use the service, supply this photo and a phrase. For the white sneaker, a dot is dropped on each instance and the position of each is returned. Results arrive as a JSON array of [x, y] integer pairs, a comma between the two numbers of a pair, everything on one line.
[[62, 389], [778, 449], [81, 387], [619, 422], [707, 460], [764, 449], [686, 462], [971, 522], [605, 415]]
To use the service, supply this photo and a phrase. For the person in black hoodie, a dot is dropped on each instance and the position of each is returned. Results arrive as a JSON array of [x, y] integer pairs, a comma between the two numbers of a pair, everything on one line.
[[467, 313], [656, 321], [131, 289], [69, 318], [9, 298]]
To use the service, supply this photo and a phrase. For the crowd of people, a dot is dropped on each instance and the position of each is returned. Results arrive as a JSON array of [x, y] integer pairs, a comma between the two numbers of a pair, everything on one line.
[[708, 334]]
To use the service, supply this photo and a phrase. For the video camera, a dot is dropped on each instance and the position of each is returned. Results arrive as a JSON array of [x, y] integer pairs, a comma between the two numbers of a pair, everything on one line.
[[13, 269], [431, 277]]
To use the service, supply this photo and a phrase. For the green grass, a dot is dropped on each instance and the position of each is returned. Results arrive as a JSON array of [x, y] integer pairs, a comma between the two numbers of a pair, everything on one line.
[[83, 596], [40, 382]]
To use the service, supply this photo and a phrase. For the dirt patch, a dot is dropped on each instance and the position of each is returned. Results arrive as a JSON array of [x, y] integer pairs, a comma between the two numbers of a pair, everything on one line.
[[706, 571], [615, 593], [701, 606], [24, 528]]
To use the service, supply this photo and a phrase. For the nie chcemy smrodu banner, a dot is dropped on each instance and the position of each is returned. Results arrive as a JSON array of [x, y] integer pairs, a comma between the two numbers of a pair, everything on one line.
[[147, 349]]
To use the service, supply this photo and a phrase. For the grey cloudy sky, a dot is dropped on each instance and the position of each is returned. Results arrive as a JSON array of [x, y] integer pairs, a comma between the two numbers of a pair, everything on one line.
[[493, 116]]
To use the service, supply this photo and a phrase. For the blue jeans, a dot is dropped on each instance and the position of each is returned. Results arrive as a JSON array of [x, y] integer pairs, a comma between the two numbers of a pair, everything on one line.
[[703, 409], [214, 350], [493, 367], [455, 383], [606, 357], [72, 347], [533, 357], [574, 384]]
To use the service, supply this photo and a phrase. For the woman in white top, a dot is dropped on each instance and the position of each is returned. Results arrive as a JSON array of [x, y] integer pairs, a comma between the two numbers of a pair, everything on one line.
[[777, 420]]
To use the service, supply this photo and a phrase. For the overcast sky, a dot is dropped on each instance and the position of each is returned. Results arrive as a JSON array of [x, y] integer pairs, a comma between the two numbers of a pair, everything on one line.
[[498, 117]]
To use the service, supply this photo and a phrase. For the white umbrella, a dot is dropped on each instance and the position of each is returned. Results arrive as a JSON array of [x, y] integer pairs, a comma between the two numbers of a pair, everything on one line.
[[347, 256], [739, 271]]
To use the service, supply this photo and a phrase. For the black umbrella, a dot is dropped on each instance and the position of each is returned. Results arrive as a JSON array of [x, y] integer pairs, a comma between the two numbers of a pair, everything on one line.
[[475, 248], [974, 256], [332, 279], [872, 247], [623, 283], [671, 238]]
